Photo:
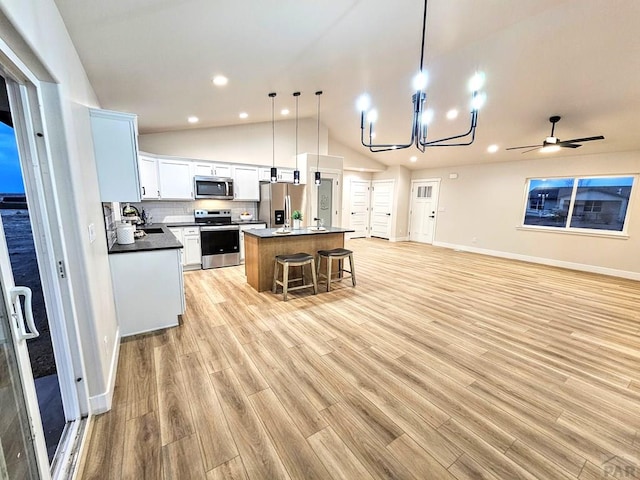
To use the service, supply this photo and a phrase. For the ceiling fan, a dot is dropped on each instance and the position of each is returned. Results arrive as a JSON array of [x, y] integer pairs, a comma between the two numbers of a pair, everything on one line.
[[553, 143]]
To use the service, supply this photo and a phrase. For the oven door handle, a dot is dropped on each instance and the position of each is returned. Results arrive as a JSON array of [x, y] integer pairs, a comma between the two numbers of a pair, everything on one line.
[[230, 228]]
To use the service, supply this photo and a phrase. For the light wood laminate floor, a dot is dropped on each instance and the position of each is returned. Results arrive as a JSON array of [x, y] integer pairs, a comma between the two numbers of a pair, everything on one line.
[[438, 365]]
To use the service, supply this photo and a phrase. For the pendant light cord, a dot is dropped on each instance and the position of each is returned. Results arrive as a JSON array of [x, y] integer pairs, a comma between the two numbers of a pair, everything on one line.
[[424, 30], [318, 146], [273, 128], [297, 95]]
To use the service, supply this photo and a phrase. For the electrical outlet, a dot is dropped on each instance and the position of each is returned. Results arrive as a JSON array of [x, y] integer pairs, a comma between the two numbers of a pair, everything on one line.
[[92, 233]]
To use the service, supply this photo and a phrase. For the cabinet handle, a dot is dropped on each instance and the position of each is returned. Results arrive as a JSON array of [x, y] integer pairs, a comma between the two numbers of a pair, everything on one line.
[[158, 193], [143, 191]]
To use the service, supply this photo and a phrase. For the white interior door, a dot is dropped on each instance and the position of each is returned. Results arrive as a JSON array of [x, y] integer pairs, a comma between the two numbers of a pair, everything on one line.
[[23, 453], [424, 205], [359, 208], [381, 208]]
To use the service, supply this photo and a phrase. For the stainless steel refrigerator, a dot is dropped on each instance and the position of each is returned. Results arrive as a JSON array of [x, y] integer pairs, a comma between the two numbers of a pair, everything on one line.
[[272, 209]]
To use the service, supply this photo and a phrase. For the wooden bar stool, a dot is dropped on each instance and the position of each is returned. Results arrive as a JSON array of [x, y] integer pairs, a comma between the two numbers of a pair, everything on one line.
[[336, 254], [294, 260]]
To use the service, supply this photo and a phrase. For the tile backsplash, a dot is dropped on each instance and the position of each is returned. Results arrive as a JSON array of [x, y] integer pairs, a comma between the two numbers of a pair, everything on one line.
[[109, 211], [168, 212]]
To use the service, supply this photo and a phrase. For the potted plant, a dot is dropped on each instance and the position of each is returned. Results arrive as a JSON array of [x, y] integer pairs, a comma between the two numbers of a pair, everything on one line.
[[297, 218]]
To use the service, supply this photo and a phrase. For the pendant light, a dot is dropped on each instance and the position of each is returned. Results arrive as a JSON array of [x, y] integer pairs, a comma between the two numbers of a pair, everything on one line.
[[296, 172], [318, 179], [274, 170]]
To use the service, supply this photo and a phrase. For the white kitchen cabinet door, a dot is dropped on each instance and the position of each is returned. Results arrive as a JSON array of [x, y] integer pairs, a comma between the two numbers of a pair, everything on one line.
[[212, 170], [222, 171], [176, 181], [285, 175], [264, 174], [149, 185], [115, 148], [177, 232], [192, 251], [246, 183]]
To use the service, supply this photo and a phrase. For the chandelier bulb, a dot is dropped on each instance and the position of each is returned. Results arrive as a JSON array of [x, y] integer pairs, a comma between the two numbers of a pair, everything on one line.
[[372, 116], [478, 100], [476, 82], [420, 81], [364, 103]]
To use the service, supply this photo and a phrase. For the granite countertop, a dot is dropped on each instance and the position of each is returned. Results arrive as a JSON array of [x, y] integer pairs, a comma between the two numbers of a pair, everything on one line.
[[270, 232], [194, 224], [152, 241]]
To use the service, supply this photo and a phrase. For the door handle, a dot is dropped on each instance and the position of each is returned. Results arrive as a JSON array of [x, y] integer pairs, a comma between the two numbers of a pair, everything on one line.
[[389, 214], [16, 293], [432, 216], [353, 213]]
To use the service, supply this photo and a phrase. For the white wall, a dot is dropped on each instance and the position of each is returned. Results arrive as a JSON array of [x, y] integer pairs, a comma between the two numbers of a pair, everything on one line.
[[354, 160], [251, 144], [39, 26], [483, 207]]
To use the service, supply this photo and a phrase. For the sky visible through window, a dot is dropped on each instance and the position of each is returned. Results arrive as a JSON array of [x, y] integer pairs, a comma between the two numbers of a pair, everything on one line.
[[10, 174]]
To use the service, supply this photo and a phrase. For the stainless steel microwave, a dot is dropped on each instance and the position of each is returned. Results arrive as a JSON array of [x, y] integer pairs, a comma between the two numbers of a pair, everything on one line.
[[213, 187]]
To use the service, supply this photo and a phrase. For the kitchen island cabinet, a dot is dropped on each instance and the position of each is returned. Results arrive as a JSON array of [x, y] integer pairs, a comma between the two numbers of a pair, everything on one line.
[[262, 246]]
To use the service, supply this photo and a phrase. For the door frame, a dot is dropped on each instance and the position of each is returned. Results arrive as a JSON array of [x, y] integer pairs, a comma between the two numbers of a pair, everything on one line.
[[27, 105], [411, 205]]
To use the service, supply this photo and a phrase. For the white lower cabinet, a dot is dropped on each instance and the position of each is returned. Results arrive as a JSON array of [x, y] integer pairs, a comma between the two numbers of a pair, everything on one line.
[[192, 248], [189, 237], [243, 228], [148, 289]]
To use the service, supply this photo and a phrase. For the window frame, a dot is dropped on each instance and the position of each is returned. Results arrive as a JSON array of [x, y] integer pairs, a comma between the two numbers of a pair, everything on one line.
[[567, 228]]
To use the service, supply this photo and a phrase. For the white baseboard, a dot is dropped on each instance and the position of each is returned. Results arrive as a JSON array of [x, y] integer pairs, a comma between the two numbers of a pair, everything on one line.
[[399, 239], [544, 261], [102, 403]]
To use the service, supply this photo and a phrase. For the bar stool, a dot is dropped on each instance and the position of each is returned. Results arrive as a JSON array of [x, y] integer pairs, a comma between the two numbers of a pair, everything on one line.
[[294, 260], [336, 254]]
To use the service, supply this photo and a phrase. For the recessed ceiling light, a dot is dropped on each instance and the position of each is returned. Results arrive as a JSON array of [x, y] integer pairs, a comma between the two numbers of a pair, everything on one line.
[[284, 111], [452, 114], [243, 115], [193, 119], [493, 148], [413, 159], [220, 80]]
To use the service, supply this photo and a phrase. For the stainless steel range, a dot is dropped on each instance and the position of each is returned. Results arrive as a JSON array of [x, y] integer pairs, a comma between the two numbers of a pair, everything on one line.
[[220, 241]]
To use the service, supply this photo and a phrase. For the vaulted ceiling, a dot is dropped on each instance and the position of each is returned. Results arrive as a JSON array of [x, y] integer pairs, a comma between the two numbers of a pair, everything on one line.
[[575, 58]]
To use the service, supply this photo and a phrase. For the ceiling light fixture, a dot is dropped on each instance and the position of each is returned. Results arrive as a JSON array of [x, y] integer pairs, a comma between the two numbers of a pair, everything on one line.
[[220, 80], [243, 115], [284, 111], [193, 119], [420, 120], [296, 172], [274, 170], [318, 179], [492, 148], [413, 159], [452, 114]]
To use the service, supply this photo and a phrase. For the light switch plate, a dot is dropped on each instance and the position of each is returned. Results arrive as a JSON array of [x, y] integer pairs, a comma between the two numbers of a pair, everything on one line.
[[92, 233]]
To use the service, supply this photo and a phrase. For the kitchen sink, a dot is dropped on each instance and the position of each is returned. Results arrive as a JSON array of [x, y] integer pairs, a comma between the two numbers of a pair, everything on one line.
[[149, 230]]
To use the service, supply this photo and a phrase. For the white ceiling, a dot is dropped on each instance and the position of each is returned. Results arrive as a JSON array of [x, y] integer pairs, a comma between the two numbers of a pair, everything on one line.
[[575, 58]]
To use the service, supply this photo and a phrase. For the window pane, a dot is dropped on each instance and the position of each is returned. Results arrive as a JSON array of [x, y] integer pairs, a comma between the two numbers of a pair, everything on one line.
[[601, 203], [548, 202]]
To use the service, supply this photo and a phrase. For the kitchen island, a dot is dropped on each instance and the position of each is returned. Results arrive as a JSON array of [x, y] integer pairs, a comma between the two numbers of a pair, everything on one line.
[[262, 245]]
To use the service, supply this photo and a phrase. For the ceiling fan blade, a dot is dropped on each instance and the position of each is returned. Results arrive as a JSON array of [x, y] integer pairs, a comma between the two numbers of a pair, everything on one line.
[[582, 140], [537, 147], [526, 146]]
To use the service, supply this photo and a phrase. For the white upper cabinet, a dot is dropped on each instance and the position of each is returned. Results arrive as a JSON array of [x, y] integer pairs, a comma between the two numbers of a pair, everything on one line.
[[212, 170], [264, 174], [115, 147], [246, 183], [176, 179], [285, 175], [149, 182]]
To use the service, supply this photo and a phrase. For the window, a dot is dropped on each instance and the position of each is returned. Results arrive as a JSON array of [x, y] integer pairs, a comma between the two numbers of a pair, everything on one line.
[[596, 203]]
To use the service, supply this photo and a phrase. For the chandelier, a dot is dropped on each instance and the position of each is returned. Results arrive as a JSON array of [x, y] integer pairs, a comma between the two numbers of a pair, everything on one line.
[[421, 116]]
